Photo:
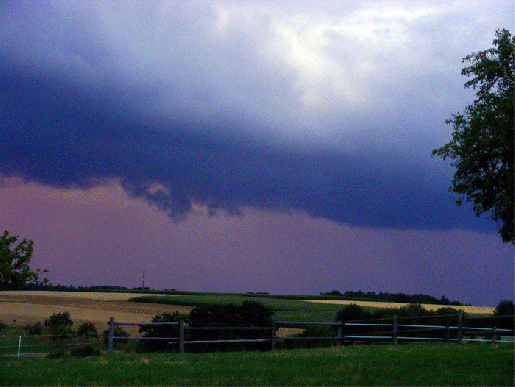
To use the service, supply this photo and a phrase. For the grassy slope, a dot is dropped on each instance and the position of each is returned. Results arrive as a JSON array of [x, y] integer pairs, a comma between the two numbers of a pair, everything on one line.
[[356, 365]]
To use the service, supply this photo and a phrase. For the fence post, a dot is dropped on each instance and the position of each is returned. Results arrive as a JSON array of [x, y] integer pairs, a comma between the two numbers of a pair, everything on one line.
[[460, 325], [273, 335], [394, 334], [494, 336], [447, 333], [181, 336], [110, 336], [19, 346], [339, 335]]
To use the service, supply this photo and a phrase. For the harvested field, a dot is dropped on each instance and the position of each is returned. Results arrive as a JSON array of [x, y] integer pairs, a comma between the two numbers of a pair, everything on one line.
[[431, 307], [20, 308]]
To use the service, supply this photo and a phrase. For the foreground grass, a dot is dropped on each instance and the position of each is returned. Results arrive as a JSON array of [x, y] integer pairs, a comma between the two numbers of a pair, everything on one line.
[[286, 309], [356, 365]]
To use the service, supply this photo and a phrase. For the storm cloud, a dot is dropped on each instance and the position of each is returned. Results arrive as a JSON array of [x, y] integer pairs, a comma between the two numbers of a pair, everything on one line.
[[331, 111]]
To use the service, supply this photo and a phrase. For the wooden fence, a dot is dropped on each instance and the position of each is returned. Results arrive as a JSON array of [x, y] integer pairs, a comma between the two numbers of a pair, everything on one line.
[[387, 330]]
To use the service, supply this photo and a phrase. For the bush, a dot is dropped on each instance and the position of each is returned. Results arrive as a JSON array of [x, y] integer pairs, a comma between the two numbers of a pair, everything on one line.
[[352, 312], [3, 327], [87, 330], [165, 331], [60, 353], [117, 332], [249, 314], [58, 320], [59, 325], [35, 329], [311, 331]]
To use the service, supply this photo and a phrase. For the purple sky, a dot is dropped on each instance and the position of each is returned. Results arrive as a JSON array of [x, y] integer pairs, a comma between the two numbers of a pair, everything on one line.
[[245, 146]]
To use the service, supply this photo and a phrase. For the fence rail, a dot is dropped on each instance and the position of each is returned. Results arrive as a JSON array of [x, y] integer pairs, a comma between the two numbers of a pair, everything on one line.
[[343, 335]]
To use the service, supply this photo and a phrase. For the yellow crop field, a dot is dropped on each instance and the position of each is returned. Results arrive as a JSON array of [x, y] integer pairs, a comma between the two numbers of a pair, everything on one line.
[[431, 307], [20, 308]]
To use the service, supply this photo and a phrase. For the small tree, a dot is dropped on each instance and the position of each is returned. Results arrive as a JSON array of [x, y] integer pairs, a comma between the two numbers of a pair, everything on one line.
[[505, 308], [14, 263]]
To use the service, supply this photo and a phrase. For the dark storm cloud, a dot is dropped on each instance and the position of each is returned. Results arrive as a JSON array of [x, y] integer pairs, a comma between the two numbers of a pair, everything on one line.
[[329, 110], [56, 134]]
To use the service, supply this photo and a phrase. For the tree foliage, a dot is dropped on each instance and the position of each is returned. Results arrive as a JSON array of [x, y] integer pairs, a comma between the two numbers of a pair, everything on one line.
[[248, 314], [505, 308], [14, 262], [87, 330], [166, 331], [482, 145]]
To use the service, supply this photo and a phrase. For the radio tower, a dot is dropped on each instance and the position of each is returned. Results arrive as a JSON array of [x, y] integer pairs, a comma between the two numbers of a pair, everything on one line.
[[143, 285]]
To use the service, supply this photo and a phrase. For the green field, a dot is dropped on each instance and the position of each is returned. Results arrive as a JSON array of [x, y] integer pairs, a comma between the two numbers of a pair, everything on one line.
[[286, 308], [424, 364]]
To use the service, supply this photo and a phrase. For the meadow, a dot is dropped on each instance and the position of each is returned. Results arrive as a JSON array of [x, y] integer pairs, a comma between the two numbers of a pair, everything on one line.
[[407, 364], [421, 365]]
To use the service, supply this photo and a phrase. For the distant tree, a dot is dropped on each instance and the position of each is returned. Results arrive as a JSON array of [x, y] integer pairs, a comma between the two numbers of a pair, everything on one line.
[[14, 262], [505, 308], [482, 145]]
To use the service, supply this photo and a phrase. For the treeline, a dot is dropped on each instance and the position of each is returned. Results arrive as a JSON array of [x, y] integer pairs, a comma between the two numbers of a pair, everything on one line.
[[96, 288], [392, 297]]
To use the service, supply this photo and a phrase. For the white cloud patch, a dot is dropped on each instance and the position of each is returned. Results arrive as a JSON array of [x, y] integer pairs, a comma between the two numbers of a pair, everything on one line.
[[325, 72]]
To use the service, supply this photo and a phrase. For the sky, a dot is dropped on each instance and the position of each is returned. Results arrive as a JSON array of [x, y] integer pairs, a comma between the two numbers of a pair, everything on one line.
[[245, 146]]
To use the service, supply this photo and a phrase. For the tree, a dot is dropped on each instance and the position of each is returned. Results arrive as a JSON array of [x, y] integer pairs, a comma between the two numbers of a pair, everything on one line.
[[168, 332], [14, 263], [505, 308], [482, 145]]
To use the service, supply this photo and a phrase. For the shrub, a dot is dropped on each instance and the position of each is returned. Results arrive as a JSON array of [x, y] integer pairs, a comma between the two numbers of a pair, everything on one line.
[[60, 325], [118, 331], [248, 314], [311, 331], [352, 312], [60, 353], [165, 331], [3, 327], [35, 329], [59, 319], [87, 330]]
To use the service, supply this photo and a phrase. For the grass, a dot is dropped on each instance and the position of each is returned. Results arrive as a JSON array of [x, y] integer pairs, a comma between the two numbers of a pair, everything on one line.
[[41, 344], [424, 364], [286, 309]]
